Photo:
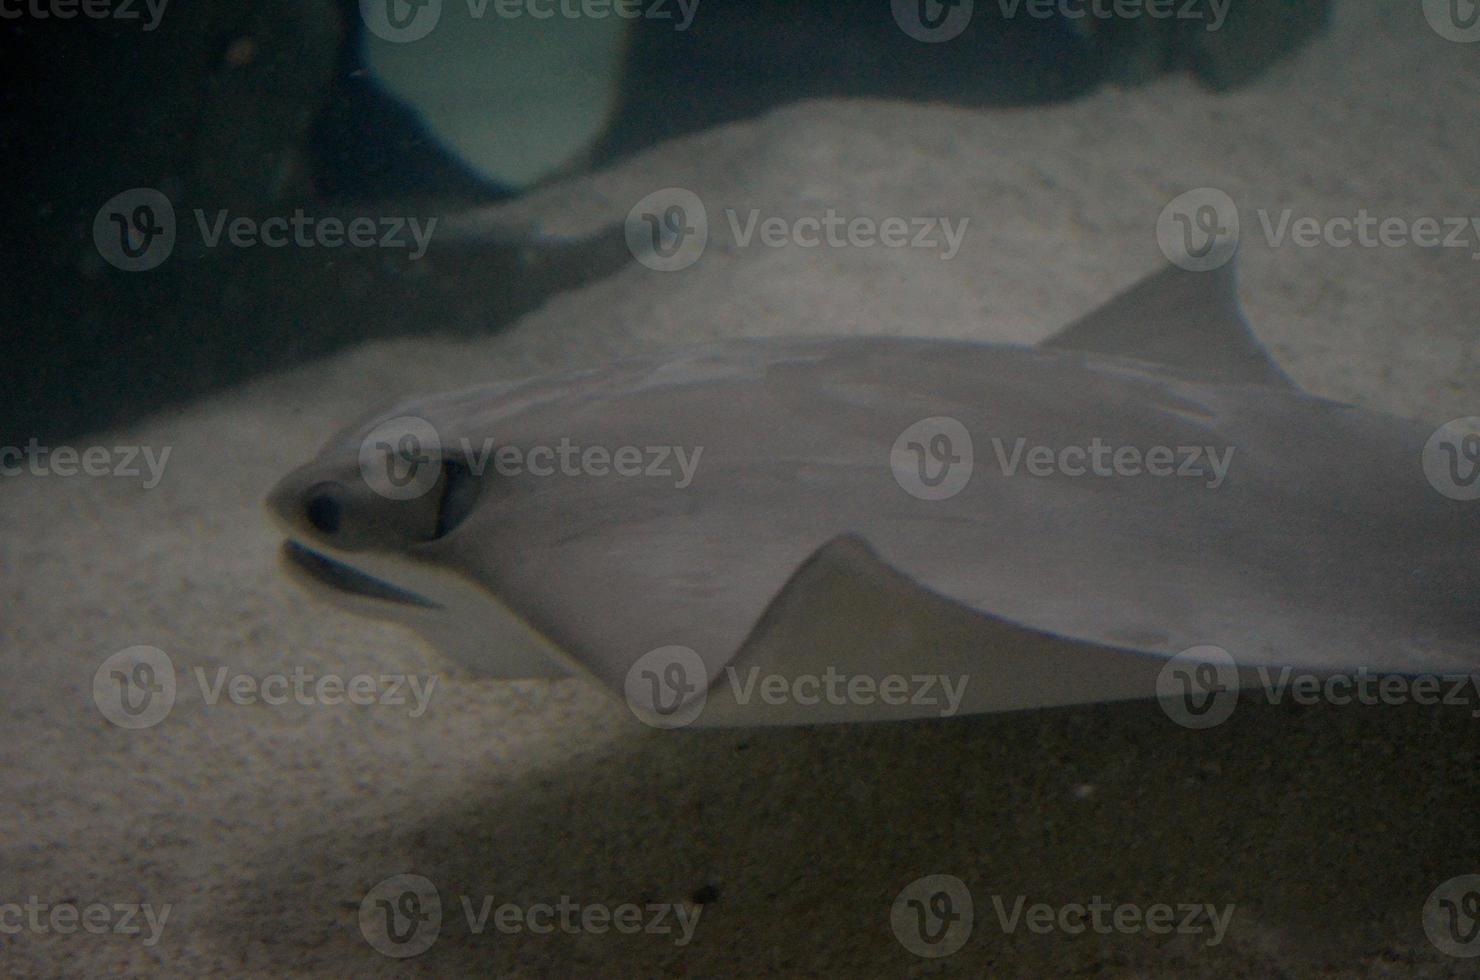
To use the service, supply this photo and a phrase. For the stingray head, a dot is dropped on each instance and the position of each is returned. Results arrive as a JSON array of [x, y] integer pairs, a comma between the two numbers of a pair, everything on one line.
[[366, 522], [375, 524]]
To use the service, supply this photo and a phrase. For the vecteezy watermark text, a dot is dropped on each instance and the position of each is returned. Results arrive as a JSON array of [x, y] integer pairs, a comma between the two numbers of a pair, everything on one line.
[[1106, 918], [1201, 229], [568, 459], [669, 229], [137, 688], [402, 915], [1366, 230], [669, 687], [1213, 12], [86, 9], [1365, 687], [937, 233], [402, 21], [98, 918], [308, 231], [305, 688], [940, 692], [589, 10], [572, 917], [136, 230], [933, 916], [1101, 459], [1200, 687], [938, 21], [66, 461], [401, 458], [934, 458]]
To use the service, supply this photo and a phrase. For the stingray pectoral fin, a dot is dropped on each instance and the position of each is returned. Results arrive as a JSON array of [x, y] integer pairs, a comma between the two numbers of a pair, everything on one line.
[[491, 641], [848, 614], [1184, 319]]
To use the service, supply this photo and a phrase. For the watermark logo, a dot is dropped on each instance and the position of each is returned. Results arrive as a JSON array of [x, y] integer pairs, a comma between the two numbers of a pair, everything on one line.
[[668, 229], [135, 688], [1451, 917], [400, 21], [1198, 688], [1454, 20], [401, 458], [1199, 230], [401, 916], [1105, 918], [135, 230], [1451, 459], [932, 459], [933, 916], [667, 687], [933, 21]]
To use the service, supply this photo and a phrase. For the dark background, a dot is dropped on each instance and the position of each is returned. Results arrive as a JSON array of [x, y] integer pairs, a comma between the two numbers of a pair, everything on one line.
[[260, 109]]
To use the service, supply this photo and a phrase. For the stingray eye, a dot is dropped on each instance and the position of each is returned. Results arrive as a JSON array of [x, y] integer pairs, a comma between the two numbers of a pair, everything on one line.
[[459, 495], [324, 509]]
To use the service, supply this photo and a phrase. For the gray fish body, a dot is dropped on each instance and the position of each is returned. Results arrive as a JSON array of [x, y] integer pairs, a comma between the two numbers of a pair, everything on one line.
[[1323, 545], [1284, 528]]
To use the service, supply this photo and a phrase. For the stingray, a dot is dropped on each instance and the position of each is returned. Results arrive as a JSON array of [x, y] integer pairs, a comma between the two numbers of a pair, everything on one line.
[[1047, 525]]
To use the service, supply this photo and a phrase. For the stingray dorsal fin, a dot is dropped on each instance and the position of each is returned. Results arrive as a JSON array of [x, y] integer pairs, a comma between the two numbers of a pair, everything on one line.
[[1183, 319]]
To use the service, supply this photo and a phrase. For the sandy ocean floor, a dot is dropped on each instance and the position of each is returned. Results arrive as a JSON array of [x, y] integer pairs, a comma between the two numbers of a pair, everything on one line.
[[263, 827]]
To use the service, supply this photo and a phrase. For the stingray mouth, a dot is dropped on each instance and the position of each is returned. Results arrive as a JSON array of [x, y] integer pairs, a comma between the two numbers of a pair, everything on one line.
[[348, 579]]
